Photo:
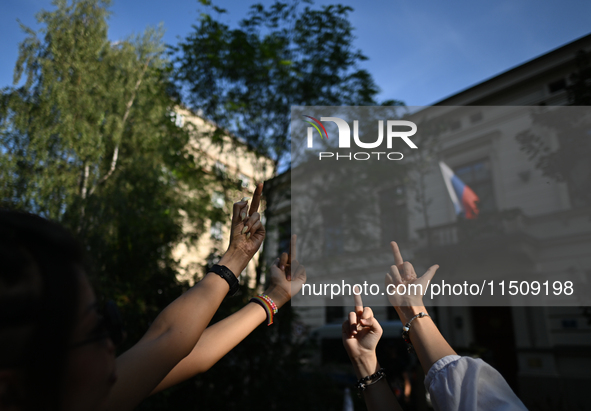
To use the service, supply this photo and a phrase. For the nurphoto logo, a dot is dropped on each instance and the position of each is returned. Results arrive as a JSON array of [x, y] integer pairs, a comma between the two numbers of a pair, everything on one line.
[[394, 129]]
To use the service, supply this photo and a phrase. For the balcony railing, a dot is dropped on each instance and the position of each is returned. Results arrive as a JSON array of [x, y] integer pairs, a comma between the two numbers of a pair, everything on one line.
[[486, 226]]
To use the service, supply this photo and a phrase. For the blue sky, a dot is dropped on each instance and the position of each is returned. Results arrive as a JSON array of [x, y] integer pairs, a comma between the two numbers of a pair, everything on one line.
[[419, 52]]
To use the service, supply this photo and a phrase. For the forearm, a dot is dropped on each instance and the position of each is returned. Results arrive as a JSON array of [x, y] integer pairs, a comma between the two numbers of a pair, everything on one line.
[[176, 331], [219, 339], [215, 342], [184, 320], [377, 396], [426, 338], [171, 338]]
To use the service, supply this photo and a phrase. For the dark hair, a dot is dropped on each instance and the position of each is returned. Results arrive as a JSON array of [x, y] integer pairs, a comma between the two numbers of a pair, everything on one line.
[[35, 251]]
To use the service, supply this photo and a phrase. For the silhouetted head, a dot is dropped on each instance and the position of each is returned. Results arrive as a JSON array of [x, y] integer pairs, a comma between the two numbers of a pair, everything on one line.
[[54, 353]]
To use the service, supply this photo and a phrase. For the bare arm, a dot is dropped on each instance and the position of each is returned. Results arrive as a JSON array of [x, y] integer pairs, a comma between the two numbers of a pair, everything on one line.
[[179, 326], [426, 338], [469, 383], [361, 333], [287, 278], [427, 341], [215, 342]]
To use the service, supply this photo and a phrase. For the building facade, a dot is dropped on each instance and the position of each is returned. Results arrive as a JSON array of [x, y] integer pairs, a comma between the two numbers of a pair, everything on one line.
[[242, 169], [529, 222]]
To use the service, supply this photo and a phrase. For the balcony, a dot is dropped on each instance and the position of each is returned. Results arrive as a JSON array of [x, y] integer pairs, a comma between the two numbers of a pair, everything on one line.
[[487, 238]]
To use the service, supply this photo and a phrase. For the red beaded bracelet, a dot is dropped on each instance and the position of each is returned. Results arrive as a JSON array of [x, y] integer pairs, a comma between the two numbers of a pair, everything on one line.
[[270, 301], [266, 306]]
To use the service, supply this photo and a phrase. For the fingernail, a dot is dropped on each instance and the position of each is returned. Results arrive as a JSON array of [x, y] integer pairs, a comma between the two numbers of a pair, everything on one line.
[[247, 236], [244, 230], [245, 198], [289, 278], [282, 267], [243, 215]]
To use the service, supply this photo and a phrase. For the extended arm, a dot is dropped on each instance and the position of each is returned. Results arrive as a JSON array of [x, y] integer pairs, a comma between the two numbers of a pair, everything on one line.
[[455, 383], [426, 338], [287, 278], [427, 341], [361, 333], [179, 326], [215, 342]]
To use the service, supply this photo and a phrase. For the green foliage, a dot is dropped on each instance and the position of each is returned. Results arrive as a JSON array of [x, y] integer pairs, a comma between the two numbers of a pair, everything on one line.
[[88, 141], [246, 79]]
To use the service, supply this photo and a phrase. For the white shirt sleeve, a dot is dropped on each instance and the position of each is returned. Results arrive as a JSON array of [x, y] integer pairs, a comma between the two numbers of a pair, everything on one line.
[[467, 384]]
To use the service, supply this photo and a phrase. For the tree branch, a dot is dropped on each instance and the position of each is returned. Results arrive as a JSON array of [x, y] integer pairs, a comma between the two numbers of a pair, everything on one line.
[[127, 111]]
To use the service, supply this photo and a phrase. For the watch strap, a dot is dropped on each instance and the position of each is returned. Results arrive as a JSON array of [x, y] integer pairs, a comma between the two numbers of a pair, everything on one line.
[[227, 275]]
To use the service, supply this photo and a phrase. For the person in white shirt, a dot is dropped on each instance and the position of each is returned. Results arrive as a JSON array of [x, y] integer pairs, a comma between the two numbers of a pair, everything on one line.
[[455, 383]]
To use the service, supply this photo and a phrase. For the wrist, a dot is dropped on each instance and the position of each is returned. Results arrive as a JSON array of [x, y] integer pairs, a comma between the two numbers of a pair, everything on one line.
[[279, 296], [234, 262], [365, 365], [406, 313]]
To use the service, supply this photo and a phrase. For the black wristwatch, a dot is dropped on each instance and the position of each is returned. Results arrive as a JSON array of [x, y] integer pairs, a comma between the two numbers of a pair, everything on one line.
[[227, 275]]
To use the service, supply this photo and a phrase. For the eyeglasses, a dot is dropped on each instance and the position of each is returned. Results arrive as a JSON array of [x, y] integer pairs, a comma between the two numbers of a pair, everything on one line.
[[110, 325]]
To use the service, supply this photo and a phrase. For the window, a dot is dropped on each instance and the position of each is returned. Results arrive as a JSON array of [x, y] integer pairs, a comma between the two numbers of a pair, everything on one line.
[[455, 125], [476, 117], [218, 199], [578, 179], [393, 215], [333, 314], [478, 177], [333, 232], [557, 86]]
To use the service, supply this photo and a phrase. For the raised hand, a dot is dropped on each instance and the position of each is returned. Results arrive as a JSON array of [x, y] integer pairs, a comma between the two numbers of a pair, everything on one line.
[[246, 234], [403, 274], [361, 333], [218, 339], [287, 276]]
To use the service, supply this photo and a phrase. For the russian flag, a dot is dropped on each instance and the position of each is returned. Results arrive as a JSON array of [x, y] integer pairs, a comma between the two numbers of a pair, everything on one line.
[[464, 199]]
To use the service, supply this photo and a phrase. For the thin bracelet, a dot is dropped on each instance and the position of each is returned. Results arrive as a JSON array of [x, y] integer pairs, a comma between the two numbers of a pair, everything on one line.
[[266, 306], [363, 383], [406, 330], [270, 301]]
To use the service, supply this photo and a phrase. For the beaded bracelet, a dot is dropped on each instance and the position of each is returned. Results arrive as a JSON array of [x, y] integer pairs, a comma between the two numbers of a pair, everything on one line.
[[270, 301], [406, 330], [363, 383], [266, 306]]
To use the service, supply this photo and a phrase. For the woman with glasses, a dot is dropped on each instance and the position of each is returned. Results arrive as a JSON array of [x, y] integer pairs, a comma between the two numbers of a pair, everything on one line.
[[58, 353]]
